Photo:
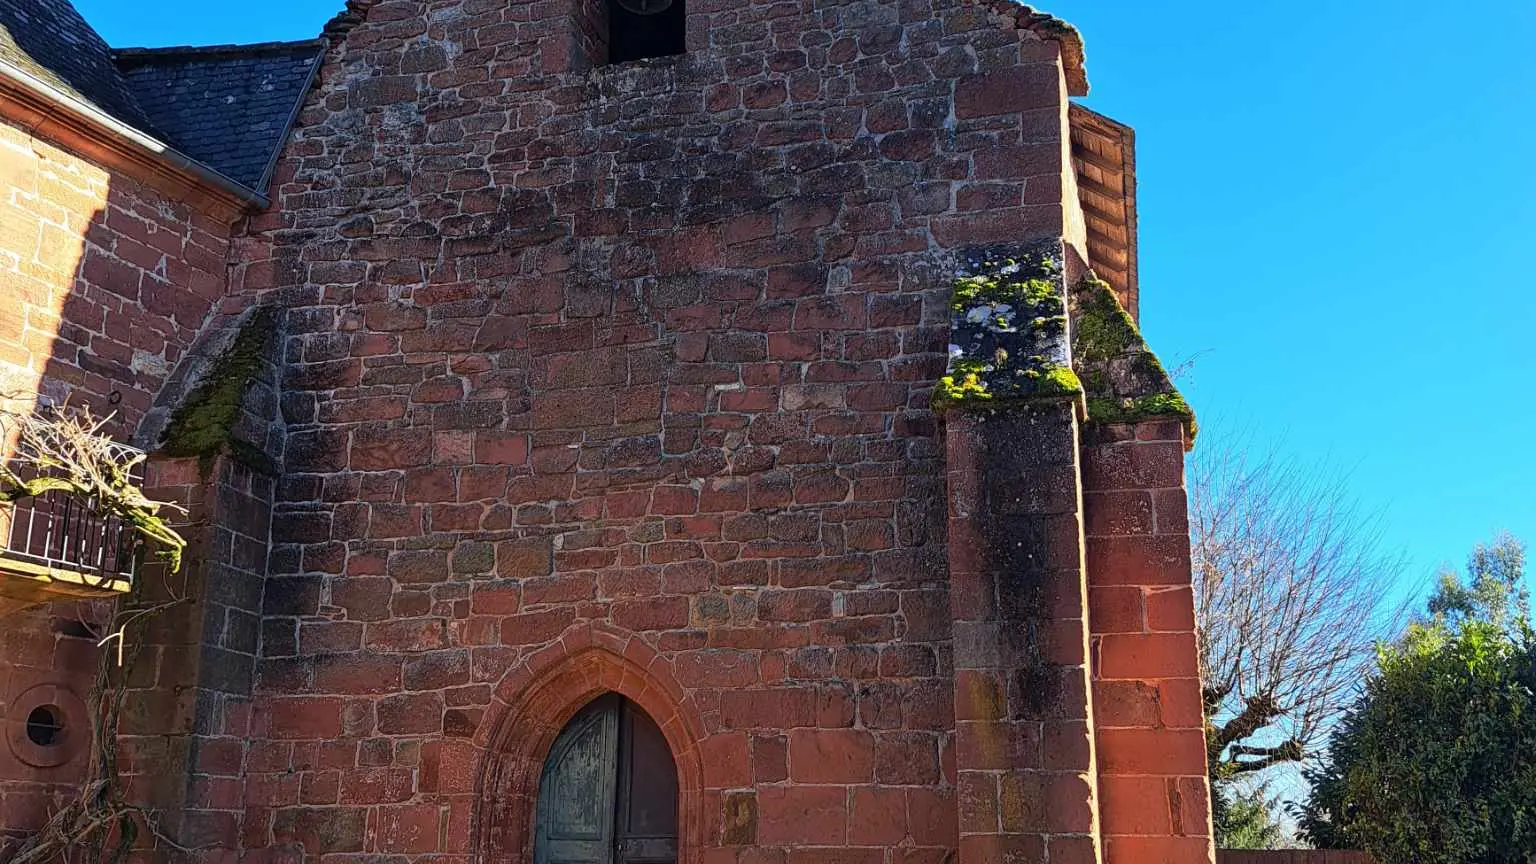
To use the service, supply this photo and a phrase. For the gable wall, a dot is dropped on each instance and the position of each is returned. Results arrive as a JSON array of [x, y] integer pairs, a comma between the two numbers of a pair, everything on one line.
[[642, 351], [618, 379]]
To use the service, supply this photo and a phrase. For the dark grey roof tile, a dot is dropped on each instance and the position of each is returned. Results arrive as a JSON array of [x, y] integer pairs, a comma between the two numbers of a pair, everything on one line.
[[228, 106], [48, 40]]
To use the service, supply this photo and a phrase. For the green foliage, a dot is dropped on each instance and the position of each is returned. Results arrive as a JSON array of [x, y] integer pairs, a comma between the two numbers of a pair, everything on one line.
[[1243, 819], [1436, 763], [203, 425], [1494, 592]]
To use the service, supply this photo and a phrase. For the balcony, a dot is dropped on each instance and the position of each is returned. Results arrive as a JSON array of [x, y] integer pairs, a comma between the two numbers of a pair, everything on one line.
[[58, 546]]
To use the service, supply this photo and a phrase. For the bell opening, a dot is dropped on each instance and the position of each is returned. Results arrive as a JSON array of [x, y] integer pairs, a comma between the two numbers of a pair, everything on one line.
[[643, 29]]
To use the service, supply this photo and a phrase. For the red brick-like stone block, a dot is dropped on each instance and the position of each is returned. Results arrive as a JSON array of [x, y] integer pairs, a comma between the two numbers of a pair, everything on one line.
[[802, 815], [1150, 735], [1147, 656], [304, 717], [831, 756], [1008, 91]]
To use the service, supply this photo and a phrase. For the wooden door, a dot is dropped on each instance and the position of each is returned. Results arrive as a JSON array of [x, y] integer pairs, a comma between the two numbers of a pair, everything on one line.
[[608, 794], [576, 791], [646, 830]]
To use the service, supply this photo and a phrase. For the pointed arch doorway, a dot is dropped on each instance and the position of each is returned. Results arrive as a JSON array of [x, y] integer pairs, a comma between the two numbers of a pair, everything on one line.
[[608, 791]]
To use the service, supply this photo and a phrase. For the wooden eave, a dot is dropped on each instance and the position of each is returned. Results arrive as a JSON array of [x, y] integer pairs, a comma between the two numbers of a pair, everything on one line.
[[1104, 161]]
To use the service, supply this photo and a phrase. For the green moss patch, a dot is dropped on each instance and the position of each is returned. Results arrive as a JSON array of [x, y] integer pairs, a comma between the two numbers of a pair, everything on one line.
[[203, 424], [1007, 333], [1170, 405], [1122, 378]]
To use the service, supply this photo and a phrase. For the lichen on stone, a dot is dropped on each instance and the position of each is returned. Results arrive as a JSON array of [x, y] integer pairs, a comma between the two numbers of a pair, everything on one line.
[[203, 424], [1122, 378], [1007, 331]]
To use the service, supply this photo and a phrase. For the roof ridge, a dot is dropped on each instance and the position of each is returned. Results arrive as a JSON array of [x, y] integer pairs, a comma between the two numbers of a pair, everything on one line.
[[1048, 26], [131, 54]]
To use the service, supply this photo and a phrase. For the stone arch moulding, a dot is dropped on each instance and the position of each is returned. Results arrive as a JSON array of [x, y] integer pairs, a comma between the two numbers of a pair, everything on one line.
[[539, 696]]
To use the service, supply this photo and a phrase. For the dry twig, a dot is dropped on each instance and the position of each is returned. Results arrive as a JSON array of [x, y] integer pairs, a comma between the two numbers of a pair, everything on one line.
[[64, 450], [1290, 583]]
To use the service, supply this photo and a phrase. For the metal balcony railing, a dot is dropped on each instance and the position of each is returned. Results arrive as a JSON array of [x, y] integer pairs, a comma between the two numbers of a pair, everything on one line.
[[60, 533]]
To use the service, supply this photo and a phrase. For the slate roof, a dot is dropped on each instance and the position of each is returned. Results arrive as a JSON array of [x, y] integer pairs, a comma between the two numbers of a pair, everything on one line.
[[48, 40], [227, 106]]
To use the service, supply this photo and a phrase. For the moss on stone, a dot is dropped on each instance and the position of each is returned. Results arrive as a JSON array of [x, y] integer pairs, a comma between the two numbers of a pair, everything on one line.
[[968, 390], [203, 424], [1008, 333], [1133, 410], [963, 384], [1059, 381], [1103, 330], [1125, 381]]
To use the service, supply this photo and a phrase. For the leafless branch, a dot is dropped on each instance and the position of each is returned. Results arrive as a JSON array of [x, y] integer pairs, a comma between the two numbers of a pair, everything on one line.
[[1290, 584]]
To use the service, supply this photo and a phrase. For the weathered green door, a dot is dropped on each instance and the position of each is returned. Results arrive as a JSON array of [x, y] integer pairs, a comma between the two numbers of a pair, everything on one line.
[[576, 792], [608, 794]]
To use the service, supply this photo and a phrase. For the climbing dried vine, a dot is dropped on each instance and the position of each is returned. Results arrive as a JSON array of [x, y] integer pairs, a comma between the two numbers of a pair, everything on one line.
[[64, 450]]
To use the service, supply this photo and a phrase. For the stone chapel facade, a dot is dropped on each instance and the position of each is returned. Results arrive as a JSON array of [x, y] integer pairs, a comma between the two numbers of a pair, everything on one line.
[[612, 430]]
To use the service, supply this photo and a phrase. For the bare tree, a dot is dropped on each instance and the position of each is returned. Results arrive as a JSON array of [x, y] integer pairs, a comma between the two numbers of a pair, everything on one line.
[[1290, 589]]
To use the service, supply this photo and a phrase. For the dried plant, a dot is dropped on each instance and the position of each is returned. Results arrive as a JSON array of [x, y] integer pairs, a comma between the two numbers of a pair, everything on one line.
[[64, 450], [1290, 590], [99, 825]]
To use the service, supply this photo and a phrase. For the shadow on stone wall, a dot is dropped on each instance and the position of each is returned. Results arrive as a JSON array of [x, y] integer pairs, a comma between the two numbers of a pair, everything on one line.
[[113, 305]]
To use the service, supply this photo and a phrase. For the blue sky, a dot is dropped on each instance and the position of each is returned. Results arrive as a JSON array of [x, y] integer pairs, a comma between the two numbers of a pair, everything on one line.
[[1338, 207], [1337, 214]]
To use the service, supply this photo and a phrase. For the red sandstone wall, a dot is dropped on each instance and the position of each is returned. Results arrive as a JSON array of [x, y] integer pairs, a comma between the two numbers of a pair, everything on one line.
[[48, 659], [104, 283], [620, 380], [1024, 743], [1147, 711], [103, 286]]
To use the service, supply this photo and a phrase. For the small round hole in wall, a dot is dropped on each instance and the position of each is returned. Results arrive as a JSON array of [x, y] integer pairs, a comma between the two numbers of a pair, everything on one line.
[[42, 725], [45, 726]]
